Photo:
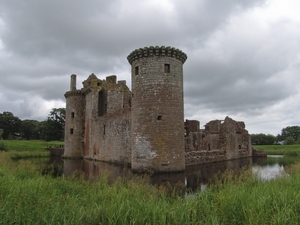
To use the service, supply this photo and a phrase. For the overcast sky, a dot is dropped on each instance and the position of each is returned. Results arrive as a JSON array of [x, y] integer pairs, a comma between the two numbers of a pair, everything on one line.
[[243, 56]]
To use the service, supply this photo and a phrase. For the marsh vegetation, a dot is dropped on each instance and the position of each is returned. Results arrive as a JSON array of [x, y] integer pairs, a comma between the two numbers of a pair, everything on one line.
[[28, 197]]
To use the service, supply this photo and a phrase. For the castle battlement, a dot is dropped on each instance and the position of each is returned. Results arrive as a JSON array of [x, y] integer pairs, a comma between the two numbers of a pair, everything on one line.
[[73, 93], [157, 51]]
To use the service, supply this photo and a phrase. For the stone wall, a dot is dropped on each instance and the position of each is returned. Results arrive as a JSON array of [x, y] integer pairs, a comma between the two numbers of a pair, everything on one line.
[[219, 141]]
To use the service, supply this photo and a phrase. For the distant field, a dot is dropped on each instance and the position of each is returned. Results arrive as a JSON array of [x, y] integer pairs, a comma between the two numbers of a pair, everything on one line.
[[280, 149], [24, 145]]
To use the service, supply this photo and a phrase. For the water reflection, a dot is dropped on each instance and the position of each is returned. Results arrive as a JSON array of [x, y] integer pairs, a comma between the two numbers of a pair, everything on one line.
[[269, 172], [194, 178]]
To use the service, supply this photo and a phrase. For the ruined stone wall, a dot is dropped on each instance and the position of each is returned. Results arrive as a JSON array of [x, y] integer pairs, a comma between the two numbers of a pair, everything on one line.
[[219, 141], [191, 126], [202, 147], [157, 109]]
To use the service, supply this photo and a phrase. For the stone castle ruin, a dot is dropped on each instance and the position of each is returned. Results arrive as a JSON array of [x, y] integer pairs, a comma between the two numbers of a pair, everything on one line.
[[145, 127]]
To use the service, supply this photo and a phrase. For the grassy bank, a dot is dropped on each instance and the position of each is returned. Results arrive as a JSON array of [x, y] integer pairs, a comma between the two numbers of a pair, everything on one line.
[[27, 197], [24, 145], [20, 149], [293, 150]]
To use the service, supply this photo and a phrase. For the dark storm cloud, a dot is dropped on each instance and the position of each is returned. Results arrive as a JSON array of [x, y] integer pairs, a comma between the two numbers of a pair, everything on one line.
[[238, 51]]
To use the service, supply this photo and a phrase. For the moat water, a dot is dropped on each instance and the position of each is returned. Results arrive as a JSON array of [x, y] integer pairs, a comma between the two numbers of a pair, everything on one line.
[[194, 178]]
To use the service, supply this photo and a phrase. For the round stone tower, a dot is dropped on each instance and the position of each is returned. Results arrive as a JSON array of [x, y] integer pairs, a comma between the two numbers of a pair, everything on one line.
[[74, 121], [157, 109]]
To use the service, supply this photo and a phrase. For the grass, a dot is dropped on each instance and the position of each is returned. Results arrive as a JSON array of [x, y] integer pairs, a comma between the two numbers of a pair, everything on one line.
[[20, 149], [292, 150], [27, 197], [25, 145]]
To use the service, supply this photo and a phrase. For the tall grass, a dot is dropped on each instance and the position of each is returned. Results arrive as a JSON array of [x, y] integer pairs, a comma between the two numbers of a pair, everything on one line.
[[27, 197], [292, 150]]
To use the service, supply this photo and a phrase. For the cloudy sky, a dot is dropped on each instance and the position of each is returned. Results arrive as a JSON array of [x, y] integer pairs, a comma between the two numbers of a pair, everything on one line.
[[243, 56]]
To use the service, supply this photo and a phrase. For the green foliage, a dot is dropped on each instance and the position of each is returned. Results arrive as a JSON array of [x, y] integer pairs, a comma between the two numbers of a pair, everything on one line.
[[298, 139], [11, 127], [9, 124], [53, 127], [263, 139], [27, 197], [290, 131], [3, 147], [289, 141], [30, 129]]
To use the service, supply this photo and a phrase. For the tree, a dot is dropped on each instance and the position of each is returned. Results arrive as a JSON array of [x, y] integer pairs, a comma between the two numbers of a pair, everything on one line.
[[290, 131], [289, 141], [53, 127], [9, 124], [298, 139], [263, 139], [30, 129]]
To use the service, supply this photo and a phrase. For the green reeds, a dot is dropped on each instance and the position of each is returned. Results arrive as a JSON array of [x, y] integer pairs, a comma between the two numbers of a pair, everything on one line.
[[27, 197]]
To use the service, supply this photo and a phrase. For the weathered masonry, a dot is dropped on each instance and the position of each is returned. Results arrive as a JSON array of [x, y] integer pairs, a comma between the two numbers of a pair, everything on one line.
[[145, 127]]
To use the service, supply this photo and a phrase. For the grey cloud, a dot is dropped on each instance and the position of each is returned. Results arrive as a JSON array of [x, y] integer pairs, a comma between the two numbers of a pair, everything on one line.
[[234, 66]]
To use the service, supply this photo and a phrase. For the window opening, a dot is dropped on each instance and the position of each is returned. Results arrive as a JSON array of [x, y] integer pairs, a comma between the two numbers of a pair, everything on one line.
[[159, 117], [104, 129], [71, 131], [102, 103], [72, 114], [167, 68], [136, 70]]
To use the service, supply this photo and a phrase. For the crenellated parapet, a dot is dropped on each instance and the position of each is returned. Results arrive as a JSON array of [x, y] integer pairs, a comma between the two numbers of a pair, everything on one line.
[[73, 93], [157, 51]]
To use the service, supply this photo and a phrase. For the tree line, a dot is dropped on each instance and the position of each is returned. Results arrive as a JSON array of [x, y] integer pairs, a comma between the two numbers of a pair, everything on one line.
[[289, 135], [12, 127]]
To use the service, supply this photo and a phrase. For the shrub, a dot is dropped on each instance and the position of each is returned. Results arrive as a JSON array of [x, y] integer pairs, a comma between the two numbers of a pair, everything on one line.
[[3, 147]]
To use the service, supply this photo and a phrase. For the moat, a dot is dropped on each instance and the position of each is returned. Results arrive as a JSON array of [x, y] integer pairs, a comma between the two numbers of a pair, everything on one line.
[[194, 178]]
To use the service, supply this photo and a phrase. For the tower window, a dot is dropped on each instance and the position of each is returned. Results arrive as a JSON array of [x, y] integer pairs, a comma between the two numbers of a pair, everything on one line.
[[72, 114], [71, 131], [102, 103], [167, 68], [103, 129], [159, 117], [136, 70]]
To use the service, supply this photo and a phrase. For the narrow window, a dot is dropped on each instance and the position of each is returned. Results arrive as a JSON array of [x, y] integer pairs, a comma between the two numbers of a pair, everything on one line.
[[71, 131], [102, 103], [72, 114], [167, 68], [158, 117], [103, 129], [136, 71]]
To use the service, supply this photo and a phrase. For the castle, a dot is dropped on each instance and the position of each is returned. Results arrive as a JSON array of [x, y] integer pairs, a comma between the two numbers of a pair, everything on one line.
[[145, 127]]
